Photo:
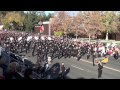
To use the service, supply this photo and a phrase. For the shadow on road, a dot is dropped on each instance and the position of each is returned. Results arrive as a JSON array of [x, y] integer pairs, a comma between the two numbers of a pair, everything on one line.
[[67, 77], [84, 78]]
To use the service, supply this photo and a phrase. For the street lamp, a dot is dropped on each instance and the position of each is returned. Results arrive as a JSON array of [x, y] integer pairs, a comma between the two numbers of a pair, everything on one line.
[[50, 20]]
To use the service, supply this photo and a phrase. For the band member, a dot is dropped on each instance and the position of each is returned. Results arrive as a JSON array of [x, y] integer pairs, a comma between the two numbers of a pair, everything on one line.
[[11, 39], [116, 55], [34, 47], [94, 55], [100, 67], [49, 60], [28, 43]]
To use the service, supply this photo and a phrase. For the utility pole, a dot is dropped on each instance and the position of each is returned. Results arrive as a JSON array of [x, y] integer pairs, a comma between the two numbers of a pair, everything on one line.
[[49, 29]]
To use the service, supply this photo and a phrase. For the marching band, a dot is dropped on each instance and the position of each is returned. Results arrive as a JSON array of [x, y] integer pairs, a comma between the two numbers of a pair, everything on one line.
[[47, 48]]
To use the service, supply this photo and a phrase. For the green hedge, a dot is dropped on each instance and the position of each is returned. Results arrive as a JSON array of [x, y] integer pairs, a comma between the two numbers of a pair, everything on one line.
[[58, 33]]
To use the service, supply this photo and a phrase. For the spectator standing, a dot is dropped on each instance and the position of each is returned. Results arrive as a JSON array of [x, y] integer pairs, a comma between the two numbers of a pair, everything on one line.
[[62, 70], [18, 73], [28, 74], [3, 65], [11, 70]]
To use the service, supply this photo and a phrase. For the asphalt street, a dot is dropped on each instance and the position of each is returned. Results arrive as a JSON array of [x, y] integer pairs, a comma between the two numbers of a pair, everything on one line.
[[83, 69]]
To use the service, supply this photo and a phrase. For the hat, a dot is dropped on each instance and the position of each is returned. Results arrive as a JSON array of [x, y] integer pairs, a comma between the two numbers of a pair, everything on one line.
[[62, 63], [49, 58]]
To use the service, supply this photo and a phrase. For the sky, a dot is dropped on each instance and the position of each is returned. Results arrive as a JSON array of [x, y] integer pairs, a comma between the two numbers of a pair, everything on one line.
[[47, 12], [70, 12]]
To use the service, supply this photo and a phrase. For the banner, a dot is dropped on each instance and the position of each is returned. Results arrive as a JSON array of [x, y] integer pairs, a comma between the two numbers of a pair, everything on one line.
[[105, 60], [41, 29]]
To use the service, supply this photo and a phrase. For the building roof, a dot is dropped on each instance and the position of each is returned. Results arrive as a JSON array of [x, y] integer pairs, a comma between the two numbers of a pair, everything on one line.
[[47, 22]]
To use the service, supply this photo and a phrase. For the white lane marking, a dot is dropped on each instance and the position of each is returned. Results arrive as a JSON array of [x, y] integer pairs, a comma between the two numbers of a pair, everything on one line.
[[83, 69], [85, 61], [103, 66], [77, 67], [90, 71], [112, 69]]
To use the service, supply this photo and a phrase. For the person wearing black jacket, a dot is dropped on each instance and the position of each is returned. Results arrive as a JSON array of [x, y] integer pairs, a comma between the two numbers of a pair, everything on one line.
[[100, 67], [34, 47], [88, 53], [93, 56], [116, 55], [18, 74], [80, 53], [63, 71], [28, 74]]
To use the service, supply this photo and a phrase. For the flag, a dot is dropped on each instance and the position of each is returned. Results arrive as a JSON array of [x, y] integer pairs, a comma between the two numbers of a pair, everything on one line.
[[41, 29], [105, 60]]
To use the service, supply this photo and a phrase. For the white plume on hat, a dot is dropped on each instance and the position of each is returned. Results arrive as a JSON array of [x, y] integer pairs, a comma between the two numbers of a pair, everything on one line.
[[42, 38], [62, 63], [11, 38], [29, 38], [49, 38], [19, 38], [36, 37], [49, 59]]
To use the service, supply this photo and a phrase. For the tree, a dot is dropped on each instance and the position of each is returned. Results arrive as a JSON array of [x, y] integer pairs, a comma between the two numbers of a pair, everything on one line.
[[110, 22], [61, 22], [31, 19], [42, 16], [77, 25], [92, 23], [67, 24], [13, 17], [2, 14], [49, 16]]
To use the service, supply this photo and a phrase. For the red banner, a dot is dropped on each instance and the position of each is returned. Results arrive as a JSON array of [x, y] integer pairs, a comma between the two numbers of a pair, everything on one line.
[[41, 29]]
